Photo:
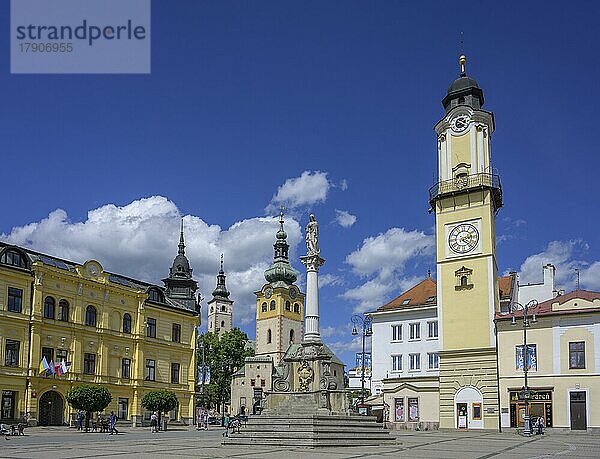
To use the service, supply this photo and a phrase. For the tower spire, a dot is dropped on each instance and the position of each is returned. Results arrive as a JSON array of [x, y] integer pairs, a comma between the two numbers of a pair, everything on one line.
[[462, 60], [221, 289], [181, 241]]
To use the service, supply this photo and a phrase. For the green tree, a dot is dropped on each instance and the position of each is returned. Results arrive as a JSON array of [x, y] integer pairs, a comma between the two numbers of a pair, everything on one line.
[[159, 400], [223, 355], [89, 398]]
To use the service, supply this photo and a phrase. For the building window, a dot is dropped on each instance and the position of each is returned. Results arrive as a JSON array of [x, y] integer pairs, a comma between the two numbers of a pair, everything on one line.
[[49, 307], [415, 331], [296, 308], [463, 279], [11, 353], [414, 362], [176, 333], [432, 329], [89, 364], [48, 352], [291, 336], [8, 404], [15, 299], [263, 383], [12, 258], [253, 382], [399, 410], [151, 327], [405, 302], [397, 362], [269, 336], [150, 370], [288, 306], [222, 323], [396, 332], [263, 307], [126, 323], [272, 305], [123, 408], [413, 409], [433, 360], [223, 308], [531, 357], [155, 296], [126, 368], [63, 310], [174, 373], [477, 411], [577, 355], [61, 354], [90, 316]]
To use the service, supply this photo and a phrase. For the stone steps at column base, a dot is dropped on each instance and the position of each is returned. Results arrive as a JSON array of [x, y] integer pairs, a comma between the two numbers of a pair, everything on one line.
[[308, 443]]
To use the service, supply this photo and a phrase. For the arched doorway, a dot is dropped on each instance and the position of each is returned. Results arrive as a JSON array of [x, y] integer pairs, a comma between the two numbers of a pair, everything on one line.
[[468, 408], [51, 408]]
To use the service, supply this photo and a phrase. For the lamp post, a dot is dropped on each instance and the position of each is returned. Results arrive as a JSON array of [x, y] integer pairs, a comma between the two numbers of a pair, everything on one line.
[[525, 392], [225, 367], [364, 324]]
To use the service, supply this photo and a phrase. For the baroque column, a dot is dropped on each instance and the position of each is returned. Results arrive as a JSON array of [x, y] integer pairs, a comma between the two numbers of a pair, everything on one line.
[[313, 261]]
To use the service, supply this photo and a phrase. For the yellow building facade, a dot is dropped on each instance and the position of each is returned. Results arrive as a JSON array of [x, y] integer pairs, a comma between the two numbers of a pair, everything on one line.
[[465, 202], [564, 363], [125, 334]]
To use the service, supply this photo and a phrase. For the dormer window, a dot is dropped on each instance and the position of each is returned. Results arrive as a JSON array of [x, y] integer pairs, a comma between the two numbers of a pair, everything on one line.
[[13, 258], [431, 299], [407, 301]]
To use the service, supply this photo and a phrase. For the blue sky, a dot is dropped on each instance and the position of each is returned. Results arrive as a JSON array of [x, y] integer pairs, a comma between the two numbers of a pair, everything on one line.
[[326, 107]]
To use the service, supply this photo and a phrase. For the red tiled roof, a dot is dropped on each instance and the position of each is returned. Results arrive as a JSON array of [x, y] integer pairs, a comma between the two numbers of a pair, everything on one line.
[[414, 297], [425, 290], [546, 306]]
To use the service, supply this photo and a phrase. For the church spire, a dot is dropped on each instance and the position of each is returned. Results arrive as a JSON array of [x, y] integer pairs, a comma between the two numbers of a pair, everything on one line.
[[181, 241], [221, 289], [280, 270]]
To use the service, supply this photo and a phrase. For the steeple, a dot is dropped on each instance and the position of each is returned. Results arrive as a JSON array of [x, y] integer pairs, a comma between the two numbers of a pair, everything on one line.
[[280, 271], [464, 90], [181, 241], [181, 265], [221, 290]]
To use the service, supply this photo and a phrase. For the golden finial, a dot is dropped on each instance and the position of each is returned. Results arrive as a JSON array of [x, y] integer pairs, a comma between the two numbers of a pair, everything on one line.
[[462, 60]]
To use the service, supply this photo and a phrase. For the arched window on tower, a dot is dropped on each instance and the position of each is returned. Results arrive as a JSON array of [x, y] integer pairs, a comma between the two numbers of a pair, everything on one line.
[[296, 308], [272, 305], [263, 307], [49, 307], [464, 281], [288, 306], [269, 336], [291, 336], [223, 308], [222, 323]]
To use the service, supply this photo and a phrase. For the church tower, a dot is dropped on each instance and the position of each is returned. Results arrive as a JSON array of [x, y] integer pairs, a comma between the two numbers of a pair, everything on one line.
[[279, 304], [180, 286], [220, 308], [465, 200]]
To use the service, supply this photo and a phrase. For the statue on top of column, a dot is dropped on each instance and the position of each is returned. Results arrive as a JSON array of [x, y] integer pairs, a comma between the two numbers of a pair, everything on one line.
[[312, 236]]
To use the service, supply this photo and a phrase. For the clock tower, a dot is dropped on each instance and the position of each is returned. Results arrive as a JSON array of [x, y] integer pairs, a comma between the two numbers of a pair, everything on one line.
[[465, 200], [279, 304]]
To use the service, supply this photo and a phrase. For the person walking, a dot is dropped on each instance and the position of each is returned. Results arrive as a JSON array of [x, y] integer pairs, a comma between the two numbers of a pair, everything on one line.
[[153, 423], [112, 421], [226, 424], [80, 420]]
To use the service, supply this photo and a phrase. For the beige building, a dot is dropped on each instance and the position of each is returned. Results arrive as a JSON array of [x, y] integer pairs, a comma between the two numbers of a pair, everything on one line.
[[126, 334], [564, 363]]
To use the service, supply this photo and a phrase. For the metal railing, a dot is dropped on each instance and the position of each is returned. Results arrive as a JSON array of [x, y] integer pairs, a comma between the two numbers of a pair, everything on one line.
[[466, 183]]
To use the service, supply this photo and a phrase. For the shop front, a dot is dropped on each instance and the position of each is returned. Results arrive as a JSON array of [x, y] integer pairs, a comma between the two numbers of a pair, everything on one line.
[[540, 405]]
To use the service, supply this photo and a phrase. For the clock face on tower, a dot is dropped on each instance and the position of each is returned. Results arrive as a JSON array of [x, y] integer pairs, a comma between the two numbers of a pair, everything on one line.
[[268, 292], [463, 238], [460, 123]]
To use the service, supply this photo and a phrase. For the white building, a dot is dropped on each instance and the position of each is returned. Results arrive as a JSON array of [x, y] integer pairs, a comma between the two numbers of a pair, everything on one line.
[[541, 291]]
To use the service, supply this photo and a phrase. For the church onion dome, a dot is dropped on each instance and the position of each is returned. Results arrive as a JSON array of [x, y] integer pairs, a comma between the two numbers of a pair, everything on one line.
[[220, 290], [281, 270], [463, 91]]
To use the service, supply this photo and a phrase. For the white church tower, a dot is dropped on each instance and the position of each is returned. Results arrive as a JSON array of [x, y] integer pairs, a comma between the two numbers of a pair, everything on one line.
[[220, 307]]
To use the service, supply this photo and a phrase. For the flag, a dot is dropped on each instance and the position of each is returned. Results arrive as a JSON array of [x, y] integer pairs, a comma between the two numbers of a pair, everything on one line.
[[44, 365], [65, 366], [51, 368], [206, 374], [58, 369]]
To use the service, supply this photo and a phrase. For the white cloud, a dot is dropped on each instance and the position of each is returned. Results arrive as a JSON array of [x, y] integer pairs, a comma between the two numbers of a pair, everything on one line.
[[354, 345], [344, 218], [309, 188], [344, 185], [140, 240], [330, 279], [384, 258], [566, 256]]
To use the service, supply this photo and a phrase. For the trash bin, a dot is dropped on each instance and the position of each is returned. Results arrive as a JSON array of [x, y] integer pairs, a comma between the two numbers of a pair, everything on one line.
[[164, 424]]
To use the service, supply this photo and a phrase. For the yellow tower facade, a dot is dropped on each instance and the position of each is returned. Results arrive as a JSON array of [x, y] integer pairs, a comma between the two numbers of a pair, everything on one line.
[[279, 305], [466, 200]]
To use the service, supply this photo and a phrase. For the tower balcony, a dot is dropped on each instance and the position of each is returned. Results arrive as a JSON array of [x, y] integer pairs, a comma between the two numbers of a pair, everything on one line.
[[467, 184]]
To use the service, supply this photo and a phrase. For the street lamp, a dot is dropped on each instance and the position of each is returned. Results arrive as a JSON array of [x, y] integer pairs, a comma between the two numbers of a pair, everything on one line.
[[225, 366], [364, 324], [525, 392]]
